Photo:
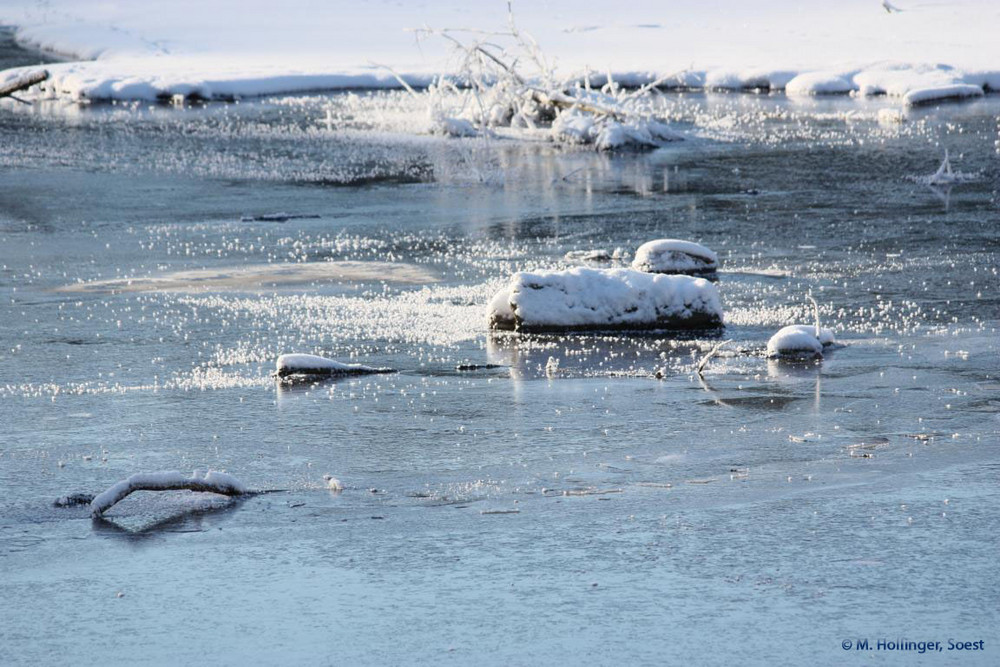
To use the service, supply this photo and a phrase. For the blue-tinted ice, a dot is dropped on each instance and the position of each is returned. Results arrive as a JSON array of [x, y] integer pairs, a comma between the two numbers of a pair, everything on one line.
[[154, 264]]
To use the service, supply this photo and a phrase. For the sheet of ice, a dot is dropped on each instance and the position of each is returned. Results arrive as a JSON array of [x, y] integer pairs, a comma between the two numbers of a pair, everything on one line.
[[311, 364], [800, 340], [583, 299], [210, 49], [675, 256], [210, 482]]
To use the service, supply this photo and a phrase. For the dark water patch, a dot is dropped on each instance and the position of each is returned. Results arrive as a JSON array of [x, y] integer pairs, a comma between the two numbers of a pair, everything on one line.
[[13, 54]]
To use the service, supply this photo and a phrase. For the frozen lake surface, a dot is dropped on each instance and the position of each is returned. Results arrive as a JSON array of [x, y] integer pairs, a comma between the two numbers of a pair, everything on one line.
[[154, 262]]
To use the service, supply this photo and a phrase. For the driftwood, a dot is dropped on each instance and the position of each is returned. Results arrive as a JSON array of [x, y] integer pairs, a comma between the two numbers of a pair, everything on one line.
[[23, 82]]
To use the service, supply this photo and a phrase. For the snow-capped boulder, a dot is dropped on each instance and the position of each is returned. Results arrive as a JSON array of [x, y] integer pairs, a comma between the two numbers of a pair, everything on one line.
[[583, 299], [675, 256], [800, 341]]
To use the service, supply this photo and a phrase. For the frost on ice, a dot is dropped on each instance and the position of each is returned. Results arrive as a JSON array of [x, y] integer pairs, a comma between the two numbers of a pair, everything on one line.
[[310, 364], [210, 482], [945, 175], [583, 299], [674, 256]]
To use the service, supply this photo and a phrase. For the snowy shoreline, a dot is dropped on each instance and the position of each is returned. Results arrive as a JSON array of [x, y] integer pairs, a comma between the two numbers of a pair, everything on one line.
[[188, 79], [922, 55]]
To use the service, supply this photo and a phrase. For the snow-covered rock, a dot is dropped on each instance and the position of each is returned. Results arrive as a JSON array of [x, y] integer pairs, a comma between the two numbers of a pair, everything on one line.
[[583, 299], [675, 256], [311, 364], [800, 341]]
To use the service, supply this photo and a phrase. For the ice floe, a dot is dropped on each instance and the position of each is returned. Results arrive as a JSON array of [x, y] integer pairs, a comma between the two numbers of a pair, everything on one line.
[[583, 299]]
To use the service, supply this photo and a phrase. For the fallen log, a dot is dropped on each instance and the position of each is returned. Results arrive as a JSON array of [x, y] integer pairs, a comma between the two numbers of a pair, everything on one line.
[[23, 82], [210, 482]]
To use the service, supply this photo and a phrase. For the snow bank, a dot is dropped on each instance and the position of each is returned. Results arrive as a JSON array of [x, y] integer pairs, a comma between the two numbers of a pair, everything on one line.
[[675, 256], [583, 299], [799, 341], [311, 364], [160, 48], [210, 482], [163, 78]]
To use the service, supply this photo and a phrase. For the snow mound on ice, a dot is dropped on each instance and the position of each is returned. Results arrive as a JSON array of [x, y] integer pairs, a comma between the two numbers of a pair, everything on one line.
[[583, 299], [311, 364], [675, 256], [799, 341]]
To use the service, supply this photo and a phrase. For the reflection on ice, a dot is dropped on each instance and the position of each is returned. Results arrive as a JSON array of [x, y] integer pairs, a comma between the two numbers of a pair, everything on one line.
[[202, 515], [531, 357]]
